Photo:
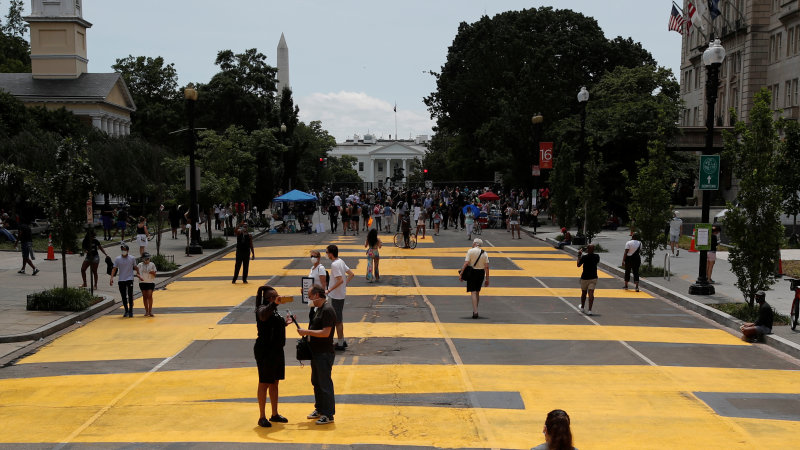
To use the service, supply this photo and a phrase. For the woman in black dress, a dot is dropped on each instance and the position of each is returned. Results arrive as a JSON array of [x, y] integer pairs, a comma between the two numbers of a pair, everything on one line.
[[268, 351]]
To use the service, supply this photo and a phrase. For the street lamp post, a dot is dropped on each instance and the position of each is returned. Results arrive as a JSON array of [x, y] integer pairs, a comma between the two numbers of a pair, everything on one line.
[[190, 94], [536, 120], [583, 98], [712, 58]]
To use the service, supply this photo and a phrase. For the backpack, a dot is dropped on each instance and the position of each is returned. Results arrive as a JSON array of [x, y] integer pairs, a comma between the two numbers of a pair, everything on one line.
[[327, 278], [376, 211]]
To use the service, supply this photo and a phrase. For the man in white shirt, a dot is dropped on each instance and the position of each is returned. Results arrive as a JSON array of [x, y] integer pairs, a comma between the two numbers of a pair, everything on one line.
[[337, 200], [337, 291], [675, 232]]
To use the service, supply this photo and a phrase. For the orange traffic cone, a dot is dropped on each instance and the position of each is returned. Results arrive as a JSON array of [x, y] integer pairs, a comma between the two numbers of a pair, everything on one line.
[[780, 268], [692, 247], [51, 256]]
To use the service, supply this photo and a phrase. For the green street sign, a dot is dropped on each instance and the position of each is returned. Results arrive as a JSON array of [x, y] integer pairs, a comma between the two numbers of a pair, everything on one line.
[[709, 172]]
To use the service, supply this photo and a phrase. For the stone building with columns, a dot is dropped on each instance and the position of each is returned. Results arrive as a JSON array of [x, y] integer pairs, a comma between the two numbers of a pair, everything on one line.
[[377, 159], [60, 77]]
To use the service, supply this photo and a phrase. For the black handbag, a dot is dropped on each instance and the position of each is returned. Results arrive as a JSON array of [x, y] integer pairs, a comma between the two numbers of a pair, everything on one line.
[[466, 273], [303, 349]]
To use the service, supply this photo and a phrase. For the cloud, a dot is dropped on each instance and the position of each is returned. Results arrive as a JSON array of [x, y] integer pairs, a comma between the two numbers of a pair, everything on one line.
[[346, 113]]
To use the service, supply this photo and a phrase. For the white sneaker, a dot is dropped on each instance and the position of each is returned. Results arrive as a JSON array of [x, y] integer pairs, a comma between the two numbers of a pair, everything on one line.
[[589, 312], [580, 308]]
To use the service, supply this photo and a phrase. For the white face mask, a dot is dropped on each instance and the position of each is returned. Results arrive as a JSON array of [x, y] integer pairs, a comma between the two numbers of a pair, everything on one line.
[[124, 253], [314, 260]]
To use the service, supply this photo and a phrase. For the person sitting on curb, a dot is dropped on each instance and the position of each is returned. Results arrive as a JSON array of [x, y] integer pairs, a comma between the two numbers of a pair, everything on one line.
[[752, 332], [567, 239]]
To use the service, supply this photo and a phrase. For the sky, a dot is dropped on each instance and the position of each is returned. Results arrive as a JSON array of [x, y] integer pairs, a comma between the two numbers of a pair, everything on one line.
[[350, 61]]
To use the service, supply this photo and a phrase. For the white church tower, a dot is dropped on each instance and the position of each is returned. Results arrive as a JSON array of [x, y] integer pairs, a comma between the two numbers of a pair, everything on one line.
[[283, 65], [58, 39]]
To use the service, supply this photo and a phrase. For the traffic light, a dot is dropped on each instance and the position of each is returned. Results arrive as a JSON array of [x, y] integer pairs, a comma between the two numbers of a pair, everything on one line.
[[323, 161], [425, 171]]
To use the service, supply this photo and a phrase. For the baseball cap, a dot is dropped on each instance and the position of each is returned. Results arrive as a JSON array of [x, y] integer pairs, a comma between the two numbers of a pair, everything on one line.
[[146, 255], [123, 246]]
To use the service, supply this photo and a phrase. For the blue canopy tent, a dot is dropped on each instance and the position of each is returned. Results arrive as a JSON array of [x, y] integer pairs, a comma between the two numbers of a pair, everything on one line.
[[295, 196], [289, 219]]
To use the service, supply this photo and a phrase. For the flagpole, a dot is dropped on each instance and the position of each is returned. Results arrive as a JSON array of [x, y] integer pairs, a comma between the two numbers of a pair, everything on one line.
[[395, 122]]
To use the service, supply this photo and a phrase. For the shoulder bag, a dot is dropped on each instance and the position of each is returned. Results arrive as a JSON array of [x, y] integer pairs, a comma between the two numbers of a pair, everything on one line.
[[467, 272]]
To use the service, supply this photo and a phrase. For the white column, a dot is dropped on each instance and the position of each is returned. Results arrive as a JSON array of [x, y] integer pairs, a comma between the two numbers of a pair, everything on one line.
[[104, 124], [116, 128], [405, 169], [97, 122], [126, 128]]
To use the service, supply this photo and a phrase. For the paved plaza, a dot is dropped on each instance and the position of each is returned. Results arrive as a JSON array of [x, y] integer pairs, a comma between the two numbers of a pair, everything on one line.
[[419, 372]]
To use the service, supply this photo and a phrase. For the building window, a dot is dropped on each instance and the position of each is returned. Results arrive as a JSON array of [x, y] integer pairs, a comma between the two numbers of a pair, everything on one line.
[[776, 95], [789, 41], [771, 49], [697, 79], [695, 117], [794, 93], [778, 46], [796, 41], [380, 167], [788, 96], [361, 167], [734, 101]]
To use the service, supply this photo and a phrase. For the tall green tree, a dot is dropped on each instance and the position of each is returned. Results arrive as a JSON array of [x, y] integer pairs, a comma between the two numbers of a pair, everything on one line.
[[153, 84], [753, 223], [242, 93], [590, 198], [563, 197], [650, 207], [15, 52], [790, 173], [501, 71], [63, 193]]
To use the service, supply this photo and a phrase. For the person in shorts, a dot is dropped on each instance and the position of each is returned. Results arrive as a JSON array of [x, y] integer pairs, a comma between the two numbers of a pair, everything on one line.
[[92, 248], [711, 256], [675, 231], [147, 278], [589, 261], [478, 275], [337, 291], [268, 352], [751, 332], [25, 240]]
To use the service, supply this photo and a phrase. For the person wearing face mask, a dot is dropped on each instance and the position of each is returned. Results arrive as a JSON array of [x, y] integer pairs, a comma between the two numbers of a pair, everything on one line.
[[125, 264], [320, 276]]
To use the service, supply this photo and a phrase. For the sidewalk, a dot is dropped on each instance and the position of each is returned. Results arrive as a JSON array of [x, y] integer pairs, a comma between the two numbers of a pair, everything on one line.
[[19, 327], [684, 269]]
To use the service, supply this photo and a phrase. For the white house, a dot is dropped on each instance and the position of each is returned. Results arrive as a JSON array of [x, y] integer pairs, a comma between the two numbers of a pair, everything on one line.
[[377, 159]]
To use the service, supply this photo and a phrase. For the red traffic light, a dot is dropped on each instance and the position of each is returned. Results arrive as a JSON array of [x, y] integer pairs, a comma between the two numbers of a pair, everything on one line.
[[321, 159], [425, 170]]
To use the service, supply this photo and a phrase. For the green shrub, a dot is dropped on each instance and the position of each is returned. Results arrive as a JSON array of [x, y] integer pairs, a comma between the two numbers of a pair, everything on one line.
[[214, 243], [60, 299], [163, 264], [747, 313]]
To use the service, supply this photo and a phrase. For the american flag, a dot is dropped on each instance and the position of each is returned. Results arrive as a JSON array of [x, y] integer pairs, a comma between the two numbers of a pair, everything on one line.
[[690, 10], [676, 21]]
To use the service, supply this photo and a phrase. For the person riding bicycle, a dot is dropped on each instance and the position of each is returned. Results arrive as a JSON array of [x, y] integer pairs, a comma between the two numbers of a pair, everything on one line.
[[405, 226]]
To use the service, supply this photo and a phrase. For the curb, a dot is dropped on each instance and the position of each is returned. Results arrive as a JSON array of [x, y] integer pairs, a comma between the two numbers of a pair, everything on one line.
[[724, 319], [64, 322], [109, 302]]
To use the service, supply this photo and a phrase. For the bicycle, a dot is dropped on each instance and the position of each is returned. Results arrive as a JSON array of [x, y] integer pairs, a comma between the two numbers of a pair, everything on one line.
[[259, 223], [399, 241], [476, 228], [795, 312]]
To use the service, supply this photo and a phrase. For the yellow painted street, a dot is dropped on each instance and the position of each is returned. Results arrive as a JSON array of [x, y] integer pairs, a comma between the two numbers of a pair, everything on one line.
[[419, 371]]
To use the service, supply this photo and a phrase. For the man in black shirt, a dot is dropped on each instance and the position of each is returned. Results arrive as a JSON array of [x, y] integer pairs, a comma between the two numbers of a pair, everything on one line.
[[751, 332], [589, 262], [244, 248], [322, 353]]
